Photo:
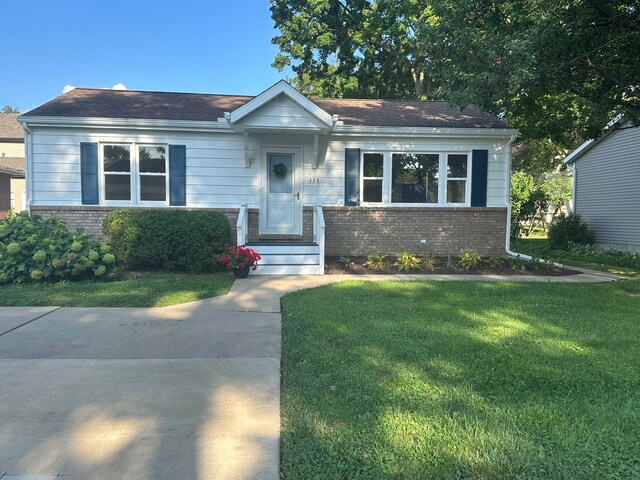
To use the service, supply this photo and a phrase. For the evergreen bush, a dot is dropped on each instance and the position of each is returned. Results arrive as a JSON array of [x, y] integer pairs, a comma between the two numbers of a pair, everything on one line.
[[570, 230], [171, 239]]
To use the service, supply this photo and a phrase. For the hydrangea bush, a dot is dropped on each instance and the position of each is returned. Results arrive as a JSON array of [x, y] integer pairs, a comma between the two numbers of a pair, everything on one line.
[[33, 249]]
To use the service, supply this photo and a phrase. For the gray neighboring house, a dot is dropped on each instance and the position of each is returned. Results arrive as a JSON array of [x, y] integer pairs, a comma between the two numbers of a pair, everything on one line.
[[606, 185]]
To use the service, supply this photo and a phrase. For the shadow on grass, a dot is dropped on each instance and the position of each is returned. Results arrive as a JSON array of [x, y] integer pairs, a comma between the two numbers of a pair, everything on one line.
[[461, 380], [139, 290]]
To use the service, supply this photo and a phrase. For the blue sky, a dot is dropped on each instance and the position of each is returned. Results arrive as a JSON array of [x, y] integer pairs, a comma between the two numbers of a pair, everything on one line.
[[209, 46]]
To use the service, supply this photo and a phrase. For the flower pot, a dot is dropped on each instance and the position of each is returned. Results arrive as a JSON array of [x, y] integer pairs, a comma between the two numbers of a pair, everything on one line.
[[242, 272]]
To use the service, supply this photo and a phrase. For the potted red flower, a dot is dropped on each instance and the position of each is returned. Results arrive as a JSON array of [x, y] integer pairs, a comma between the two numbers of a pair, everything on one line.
[[240, 260]]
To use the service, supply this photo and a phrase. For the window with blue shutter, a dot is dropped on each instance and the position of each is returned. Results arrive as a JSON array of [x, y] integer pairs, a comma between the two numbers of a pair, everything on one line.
[[177, 175], [479, 169], [89, 173], [352, 176]]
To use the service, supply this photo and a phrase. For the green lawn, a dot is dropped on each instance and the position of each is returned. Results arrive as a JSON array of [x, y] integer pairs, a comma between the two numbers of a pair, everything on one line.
[[461, 380], [137, 290], [605, 261]]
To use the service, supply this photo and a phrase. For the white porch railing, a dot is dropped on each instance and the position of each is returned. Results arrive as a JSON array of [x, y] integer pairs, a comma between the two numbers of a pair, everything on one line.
[[242, 226], [318, 235]]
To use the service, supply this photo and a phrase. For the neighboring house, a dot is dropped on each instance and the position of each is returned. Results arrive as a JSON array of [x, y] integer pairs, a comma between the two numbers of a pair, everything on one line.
[[12, 184], [606, 185], [297, 177]]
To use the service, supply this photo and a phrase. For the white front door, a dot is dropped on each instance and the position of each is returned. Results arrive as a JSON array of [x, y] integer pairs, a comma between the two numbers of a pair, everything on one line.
[[282, 196]]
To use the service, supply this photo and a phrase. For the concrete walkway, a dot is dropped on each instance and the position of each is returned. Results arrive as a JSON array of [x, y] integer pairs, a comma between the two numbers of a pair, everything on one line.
[[189, 391]]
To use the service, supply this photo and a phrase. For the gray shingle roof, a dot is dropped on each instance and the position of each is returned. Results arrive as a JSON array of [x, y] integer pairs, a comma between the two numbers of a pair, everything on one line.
[[10, 129], [13, 164], [85, 102]]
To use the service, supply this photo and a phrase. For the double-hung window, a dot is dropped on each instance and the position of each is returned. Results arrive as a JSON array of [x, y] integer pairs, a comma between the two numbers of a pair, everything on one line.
[[134, 174], [429, 178], [372, 177], [457, 167]]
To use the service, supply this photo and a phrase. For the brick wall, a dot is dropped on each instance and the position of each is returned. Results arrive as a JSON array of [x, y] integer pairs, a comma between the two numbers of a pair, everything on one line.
[[91, 217], [357, 230], [307, 228], [386, 230]]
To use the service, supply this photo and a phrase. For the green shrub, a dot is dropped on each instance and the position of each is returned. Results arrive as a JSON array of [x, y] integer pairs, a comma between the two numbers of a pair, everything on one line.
[[469, 260], [406, 262], [568, 230], [375, 262], [346, 262], [33, 249], [428, 262], [170, 239]]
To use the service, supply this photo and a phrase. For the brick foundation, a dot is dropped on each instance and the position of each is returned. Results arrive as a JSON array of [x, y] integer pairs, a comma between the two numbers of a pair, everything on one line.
[[385, 230], [307, 228], [356, 230], [91, 217]]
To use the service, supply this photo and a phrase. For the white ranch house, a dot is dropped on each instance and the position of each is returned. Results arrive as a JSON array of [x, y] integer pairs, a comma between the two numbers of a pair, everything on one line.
[[298, 178]]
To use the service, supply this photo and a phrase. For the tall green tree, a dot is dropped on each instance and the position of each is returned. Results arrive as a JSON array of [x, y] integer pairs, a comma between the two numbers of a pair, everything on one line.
[[10, 109], [556, 70], [358, 48]]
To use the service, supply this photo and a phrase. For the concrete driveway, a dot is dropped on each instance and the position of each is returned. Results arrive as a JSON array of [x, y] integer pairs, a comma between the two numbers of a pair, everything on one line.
[[188, 392]]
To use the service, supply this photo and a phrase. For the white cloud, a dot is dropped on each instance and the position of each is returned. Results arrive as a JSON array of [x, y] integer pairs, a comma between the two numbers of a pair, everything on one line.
[[67, 88], [119, 86]]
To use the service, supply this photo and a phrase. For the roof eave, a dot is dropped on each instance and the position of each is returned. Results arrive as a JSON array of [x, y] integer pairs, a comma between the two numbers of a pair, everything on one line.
[[425, 131], [137, 123]]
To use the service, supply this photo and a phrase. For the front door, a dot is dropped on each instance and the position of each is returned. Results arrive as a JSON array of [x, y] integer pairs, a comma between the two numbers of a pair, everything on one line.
[[282, 203]]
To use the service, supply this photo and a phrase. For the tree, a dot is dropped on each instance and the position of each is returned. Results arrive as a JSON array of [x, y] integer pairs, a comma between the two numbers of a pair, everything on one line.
[[357, 48], [10, 109], [558, 70]]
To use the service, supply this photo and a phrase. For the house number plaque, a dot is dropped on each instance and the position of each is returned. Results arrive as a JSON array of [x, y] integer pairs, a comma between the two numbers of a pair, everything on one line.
[[313, 180]]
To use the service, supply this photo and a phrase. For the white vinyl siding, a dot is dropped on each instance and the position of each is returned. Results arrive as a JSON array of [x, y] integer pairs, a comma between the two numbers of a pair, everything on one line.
[[607, 191], [215, 163], [281, 112]]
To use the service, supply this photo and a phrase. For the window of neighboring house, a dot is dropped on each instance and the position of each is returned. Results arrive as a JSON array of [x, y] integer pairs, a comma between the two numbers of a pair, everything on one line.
[[372, 177], [457, 178], [134, 174], [414, 177]]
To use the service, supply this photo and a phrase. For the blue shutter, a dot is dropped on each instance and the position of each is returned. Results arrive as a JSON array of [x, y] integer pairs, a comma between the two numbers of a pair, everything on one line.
[[89, 173], [177, 175], [352, 176], [480, 161]]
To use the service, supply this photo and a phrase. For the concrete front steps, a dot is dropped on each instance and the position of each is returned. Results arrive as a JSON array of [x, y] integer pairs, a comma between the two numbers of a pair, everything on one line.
[[288, 258]]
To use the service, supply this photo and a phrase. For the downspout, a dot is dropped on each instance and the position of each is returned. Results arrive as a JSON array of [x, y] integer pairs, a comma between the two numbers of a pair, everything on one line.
[[28, 147], [507, 243], [508, 200], [574, 175]]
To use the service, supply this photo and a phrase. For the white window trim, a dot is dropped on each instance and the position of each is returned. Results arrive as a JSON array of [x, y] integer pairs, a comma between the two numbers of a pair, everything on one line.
[[387, 159], [467, 179], [383, 178], [134, 175]]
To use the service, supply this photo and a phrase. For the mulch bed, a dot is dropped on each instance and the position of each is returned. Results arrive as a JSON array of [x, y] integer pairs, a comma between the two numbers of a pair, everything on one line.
[[443, 265]]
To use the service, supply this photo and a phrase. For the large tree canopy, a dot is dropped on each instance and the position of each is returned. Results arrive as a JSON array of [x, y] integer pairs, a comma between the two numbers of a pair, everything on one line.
[[556, 70], [559, 70], [357, 48]]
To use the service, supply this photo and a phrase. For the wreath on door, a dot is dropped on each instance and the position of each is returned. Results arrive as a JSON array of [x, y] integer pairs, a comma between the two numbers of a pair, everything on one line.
[[280, 170]]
